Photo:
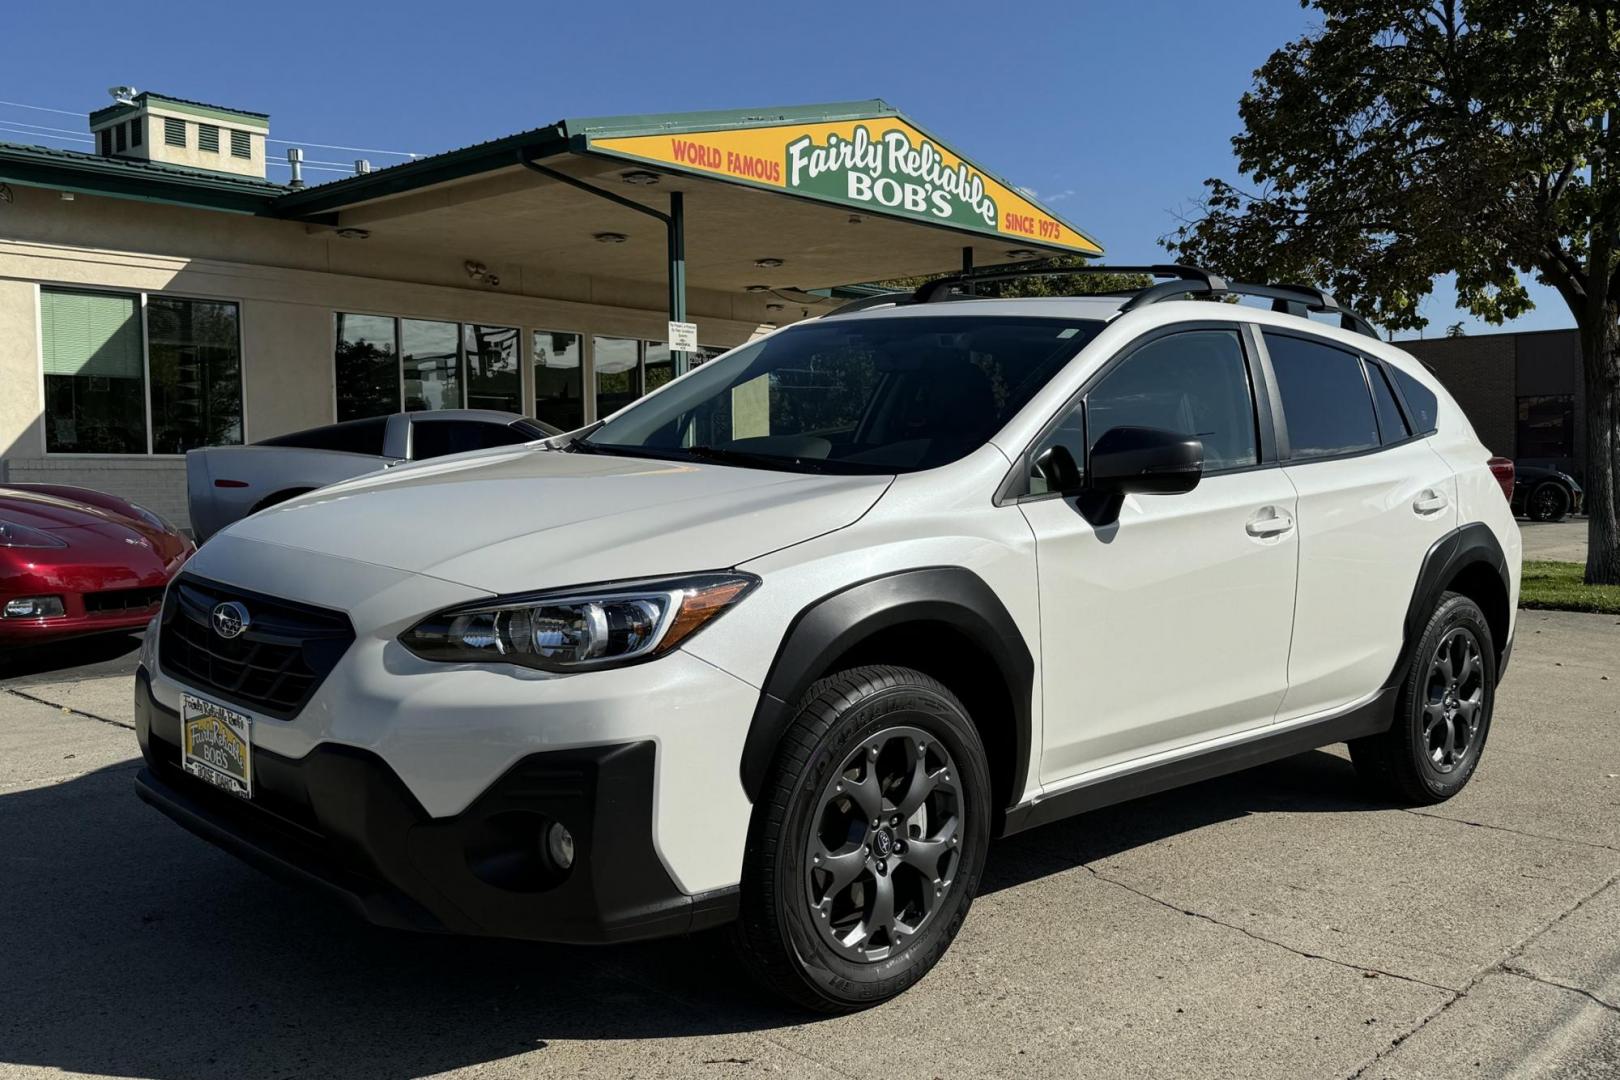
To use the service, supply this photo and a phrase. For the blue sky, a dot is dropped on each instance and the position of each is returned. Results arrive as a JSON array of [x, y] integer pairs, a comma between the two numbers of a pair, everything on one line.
[[1114, 113]]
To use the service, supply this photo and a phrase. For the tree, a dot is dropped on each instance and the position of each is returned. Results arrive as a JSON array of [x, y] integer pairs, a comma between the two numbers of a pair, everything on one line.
[[1402, 140]]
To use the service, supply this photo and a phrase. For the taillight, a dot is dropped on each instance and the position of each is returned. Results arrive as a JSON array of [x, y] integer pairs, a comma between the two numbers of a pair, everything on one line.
[[1502, 469]]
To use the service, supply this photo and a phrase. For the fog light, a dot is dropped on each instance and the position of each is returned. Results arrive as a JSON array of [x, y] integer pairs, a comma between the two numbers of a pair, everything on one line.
[[560, 846], [33, 607]]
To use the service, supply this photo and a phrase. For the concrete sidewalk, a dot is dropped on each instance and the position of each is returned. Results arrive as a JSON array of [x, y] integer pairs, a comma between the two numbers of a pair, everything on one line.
[[1270, 924]]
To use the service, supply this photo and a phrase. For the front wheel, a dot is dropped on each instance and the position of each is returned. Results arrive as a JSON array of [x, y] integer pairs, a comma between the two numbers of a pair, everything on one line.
[[1443, 713], [867, 842]]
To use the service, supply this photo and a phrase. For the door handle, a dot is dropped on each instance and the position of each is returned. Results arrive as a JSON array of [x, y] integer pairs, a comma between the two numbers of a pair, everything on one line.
[[1430, 501], [1269, 521]]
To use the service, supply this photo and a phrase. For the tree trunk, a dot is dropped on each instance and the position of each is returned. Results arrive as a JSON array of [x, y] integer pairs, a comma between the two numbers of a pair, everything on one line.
[[1600, 349]]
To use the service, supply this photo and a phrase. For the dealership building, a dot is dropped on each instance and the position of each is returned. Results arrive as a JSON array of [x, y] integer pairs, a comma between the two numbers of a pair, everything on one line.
[[159, 293]]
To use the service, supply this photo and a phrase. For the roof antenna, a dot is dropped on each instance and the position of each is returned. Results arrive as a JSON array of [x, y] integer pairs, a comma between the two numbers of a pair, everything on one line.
[[295, 161]]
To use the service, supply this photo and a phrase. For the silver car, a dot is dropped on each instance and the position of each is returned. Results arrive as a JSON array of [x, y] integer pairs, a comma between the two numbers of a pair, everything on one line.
[[227, 483]]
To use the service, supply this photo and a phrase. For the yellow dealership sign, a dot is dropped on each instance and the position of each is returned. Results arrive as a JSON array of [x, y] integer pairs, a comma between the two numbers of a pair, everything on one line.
[[879, 165]]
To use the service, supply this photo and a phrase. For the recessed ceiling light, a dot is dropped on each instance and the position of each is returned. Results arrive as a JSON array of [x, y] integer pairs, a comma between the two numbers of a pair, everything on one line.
[[767, 264], [773, 307], [354, 234], [640, 176], [758, 288], [610, 238], [1022, 253], [854, 219]]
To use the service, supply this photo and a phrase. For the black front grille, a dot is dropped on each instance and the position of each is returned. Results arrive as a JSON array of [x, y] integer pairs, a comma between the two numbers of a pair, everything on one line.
[[273, 666], [122, 601]]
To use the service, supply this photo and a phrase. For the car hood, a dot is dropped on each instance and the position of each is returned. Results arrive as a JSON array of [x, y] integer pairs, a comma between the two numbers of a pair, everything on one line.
[[518, 519]]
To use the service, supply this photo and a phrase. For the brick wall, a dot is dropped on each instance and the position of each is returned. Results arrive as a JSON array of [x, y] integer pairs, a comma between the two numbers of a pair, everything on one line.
[[159, 484]]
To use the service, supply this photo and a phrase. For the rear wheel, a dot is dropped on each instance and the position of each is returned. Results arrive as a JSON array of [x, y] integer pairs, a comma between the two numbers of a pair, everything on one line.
[[1443, 713], [1549, 501], [867, 844]]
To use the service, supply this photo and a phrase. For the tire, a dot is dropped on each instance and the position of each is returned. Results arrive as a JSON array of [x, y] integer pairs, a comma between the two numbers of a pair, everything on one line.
[[1548, 501], [805, 841], [1443, 712]]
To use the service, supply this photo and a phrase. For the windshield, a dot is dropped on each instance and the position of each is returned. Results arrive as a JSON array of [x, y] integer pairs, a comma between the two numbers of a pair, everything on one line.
[[878, 395]]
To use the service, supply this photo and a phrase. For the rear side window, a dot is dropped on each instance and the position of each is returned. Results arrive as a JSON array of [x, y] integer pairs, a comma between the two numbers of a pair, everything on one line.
[[436, 438], [1324, 398], [351, 436], [1391, 424], [1192, 383], [1420, 400]]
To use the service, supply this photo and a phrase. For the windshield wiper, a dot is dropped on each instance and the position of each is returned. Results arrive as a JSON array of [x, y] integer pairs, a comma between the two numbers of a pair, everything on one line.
[[724, 456]]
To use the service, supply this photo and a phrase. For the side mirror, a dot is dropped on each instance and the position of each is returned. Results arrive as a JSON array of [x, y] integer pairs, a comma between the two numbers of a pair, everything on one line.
[[1147, 461]]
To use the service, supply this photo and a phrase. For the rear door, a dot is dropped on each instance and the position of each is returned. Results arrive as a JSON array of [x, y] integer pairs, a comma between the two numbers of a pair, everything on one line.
[[1372, 500], [1171, 625]]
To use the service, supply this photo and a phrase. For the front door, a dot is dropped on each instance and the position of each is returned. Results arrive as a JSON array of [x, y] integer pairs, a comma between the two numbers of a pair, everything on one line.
[[1170, 626]]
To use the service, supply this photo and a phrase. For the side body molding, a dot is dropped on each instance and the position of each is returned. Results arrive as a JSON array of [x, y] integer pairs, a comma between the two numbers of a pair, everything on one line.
[[1471, 545], [952, 596]]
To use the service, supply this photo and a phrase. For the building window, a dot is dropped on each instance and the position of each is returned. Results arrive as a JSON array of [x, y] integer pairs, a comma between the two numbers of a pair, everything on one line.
[[208, 138], [494, 367], [367, 366], [241, 144], [135, 132], [120, 133], [194, 355], [559, 397], [104, 376], [617, 362], [432, 365], [174, 131], [95, 387], [383, 361], [1546, 426], [105, 142]]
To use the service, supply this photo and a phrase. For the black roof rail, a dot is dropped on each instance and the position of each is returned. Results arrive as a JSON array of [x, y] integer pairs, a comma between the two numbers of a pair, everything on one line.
[[1181, 281], [942, 288], [884, 299]]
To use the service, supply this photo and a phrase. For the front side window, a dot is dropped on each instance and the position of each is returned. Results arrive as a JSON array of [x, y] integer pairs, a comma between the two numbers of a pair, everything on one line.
[[367, 366], [95, 385], [428, 351], [558, 388], [872, 396], [1192, 383], [494, 378], [1324, 397], [194, 350]]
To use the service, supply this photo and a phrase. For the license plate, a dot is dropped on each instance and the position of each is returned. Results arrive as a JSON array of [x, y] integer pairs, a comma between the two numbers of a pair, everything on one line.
[[216, 745]]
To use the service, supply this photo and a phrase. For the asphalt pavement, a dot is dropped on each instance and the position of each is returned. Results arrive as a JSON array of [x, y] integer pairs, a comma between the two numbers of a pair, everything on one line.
[[1275, 923]]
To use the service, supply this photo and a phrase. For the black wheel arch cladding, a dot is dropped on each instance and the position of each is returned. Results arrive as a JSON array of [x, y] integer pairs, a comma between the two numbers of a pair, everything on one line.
[[1464, 560], [837, 624]]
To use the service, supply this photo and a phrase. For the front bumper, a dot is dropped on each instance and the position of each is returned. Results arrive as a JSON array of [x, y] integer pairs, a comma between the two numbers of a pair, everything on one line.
[[339, 819]]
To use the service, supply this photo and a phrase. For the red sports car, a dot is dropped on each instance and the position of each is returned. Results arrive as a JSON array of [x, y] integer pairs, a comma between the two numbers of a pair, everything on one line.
[[74, 561]]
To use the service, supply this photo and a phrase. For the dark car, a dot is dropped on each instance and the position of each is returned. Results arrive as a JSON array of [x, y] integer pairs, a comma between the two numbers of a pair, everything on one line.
[[1542, 493]]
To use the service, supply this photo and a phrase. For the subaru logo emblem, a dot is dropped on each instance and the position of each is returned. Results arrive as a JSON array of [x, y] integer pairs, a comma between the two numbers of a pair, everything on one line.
[[230, 619]]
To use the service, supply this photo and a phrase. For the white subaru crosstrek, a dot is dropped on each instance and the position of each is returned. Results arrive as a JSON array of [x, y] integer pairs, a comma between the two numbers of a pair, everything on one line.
[[786, 643]]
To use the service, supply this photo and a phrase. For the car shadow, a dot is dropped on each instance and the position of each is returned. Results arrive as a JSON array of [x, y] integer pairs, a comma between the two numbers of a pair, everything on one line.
[[130, 948], [100, 654]]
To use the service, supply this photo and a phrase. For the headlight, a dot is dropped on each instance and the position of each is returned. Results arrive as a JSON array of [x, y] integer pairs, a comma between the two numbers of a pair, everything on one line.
[[13, 535], [579, 629]]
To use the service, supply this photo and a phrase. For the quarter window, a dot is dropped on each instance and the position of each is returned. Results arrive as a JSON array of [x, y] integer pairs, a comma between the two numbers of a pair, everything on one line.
[[1324, 397], [1192, 383], [1420, 400]]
